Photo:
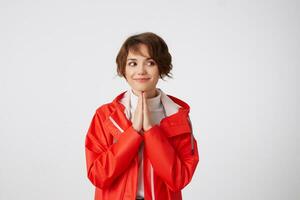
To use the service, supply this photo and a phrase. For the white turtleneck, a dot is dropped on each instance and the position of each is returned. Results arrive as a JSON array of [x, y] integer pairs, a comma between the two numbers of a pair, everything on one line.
[[157, 113]]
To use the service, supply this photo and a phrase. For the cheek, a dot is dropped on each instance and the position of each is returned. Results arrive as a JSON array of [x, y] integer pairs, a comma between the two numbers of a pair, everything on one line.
[[127, 72], [155, 73]]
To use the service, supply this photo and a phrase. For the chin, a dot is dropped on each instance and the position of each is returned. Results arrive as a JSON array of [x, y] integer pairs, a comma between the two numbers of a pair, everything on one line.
[[142, 88]]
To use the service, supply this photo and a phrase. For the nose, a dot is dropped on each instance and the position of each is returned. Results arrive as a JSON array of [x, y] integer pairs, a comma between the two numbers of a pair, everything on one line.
[[141, 69]]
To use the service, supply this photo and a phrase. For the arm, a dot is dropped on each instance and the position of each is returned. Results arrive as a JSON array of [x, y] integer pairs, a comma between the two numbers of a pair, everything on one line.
[[172, 159], [105, 161]]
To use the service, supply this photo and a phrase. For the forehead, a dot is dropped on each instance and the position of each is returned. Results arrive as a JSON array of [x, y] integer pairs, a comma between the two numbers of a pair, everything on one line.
[[140, 50]]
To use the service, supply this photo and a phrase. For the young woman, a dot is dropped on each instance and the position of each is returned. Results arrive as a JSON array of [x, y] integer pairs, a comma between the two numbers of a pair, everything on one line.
[[141, 145]]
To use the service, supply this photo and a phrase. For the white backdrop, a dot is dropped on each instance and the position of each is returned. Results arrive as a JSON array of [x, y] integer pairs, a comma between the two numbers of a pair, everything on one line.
[[235, 62]]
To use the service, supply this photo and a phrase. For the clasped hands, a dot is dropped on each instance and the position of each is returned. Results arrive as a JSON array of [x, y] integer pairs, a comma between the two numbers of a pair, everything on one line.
[[141, 119]]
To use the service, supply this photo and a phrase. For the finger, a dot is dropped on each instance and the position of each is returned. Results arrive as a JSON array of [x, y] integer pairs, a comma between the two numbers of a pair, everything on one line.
[[138, 114], [145, 107], [140, 103], [146, 113], [142, 106], [144, 101]]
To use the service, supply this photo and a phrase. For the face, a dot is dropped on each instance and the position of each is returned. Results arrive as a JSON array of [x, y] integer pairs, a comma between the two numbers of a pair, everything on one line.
[[141, 71]]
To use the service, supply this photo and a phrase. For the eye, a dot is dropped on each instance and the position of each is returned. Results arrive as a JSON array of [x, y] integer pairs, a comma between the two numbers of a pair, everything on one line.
[[132, 64], [151, 63]]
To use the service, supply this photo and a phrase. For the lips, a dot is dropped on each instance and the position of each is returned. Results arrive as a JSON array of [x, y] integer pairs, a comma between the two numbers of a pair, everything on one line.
[[141, 79]]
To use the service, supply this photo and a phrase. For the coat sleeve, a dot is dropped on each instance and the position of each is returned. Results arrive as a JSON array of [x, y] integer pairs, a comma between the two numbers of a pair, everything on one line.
[[173, 159], [106, 160]]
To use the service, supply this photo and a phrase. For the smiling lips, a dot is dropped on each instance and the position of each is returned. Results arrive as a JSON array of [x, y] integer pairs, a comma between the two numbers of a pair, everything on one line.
[[142, 79]]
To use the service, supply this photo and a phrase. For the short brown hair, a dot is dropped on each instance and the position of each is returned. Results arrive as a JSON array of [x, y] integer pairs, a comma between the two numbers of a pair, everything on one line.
[[158, 51]]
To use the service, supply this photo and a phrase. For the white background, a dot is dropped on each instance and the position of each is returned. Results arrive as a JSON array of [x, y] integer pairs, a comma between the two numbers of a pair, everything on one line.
[[235, 62]]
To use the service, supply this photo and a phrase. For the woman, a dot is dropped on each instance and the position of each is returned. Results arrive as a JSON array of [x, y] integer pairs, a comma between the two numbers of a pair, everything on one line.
[[140, 145]]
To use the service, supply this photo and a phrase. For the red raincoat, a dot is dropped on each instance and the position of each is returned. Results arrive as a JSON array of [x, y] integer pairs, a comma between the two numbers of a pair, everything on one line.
[[170, 154]]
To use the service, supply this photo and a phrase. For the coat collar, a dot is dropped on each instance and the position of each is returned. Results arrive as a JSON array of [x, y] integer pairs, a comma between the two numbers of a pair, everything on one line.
[[175, 122], [170, 106]]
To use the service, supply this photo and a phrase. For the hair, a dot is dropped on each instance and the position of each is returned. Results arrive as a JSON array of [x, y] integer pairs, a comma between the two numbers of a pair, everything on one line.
[[157, 49]]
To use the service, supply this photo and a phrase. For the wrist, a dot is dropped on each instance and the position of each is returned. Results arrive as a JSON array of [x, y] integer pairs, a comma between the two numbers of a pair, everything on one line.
[[148, 127], [136, 128]]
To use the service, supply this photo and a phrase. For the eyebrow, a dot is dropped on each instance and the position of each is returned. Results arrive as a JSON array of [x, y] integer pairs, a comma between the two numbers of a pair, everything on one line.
[[136, 59]]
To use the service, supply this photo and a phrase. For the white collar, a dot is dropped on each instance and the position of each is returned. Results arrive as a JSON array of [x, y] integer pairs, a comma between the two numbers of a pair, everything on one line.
[[154, 103], [169, 105]]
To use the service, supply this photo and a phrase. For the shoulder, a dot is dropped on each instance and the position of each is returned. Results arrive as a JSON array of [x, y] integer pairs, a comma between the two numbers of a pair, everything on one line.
[[174, 101], [106, 109], [178, 100]]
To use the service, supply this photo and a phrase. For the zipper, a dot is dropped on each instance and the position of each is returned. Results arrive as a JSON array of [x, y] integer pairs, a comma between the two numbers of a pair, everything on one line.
[[152, 182], [151, 168]]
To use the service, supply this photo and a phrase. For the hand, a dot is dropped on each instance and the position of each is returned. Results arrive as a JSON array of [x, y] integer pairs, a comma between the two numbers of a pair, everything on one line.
[[147, 124], [138, 114]]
